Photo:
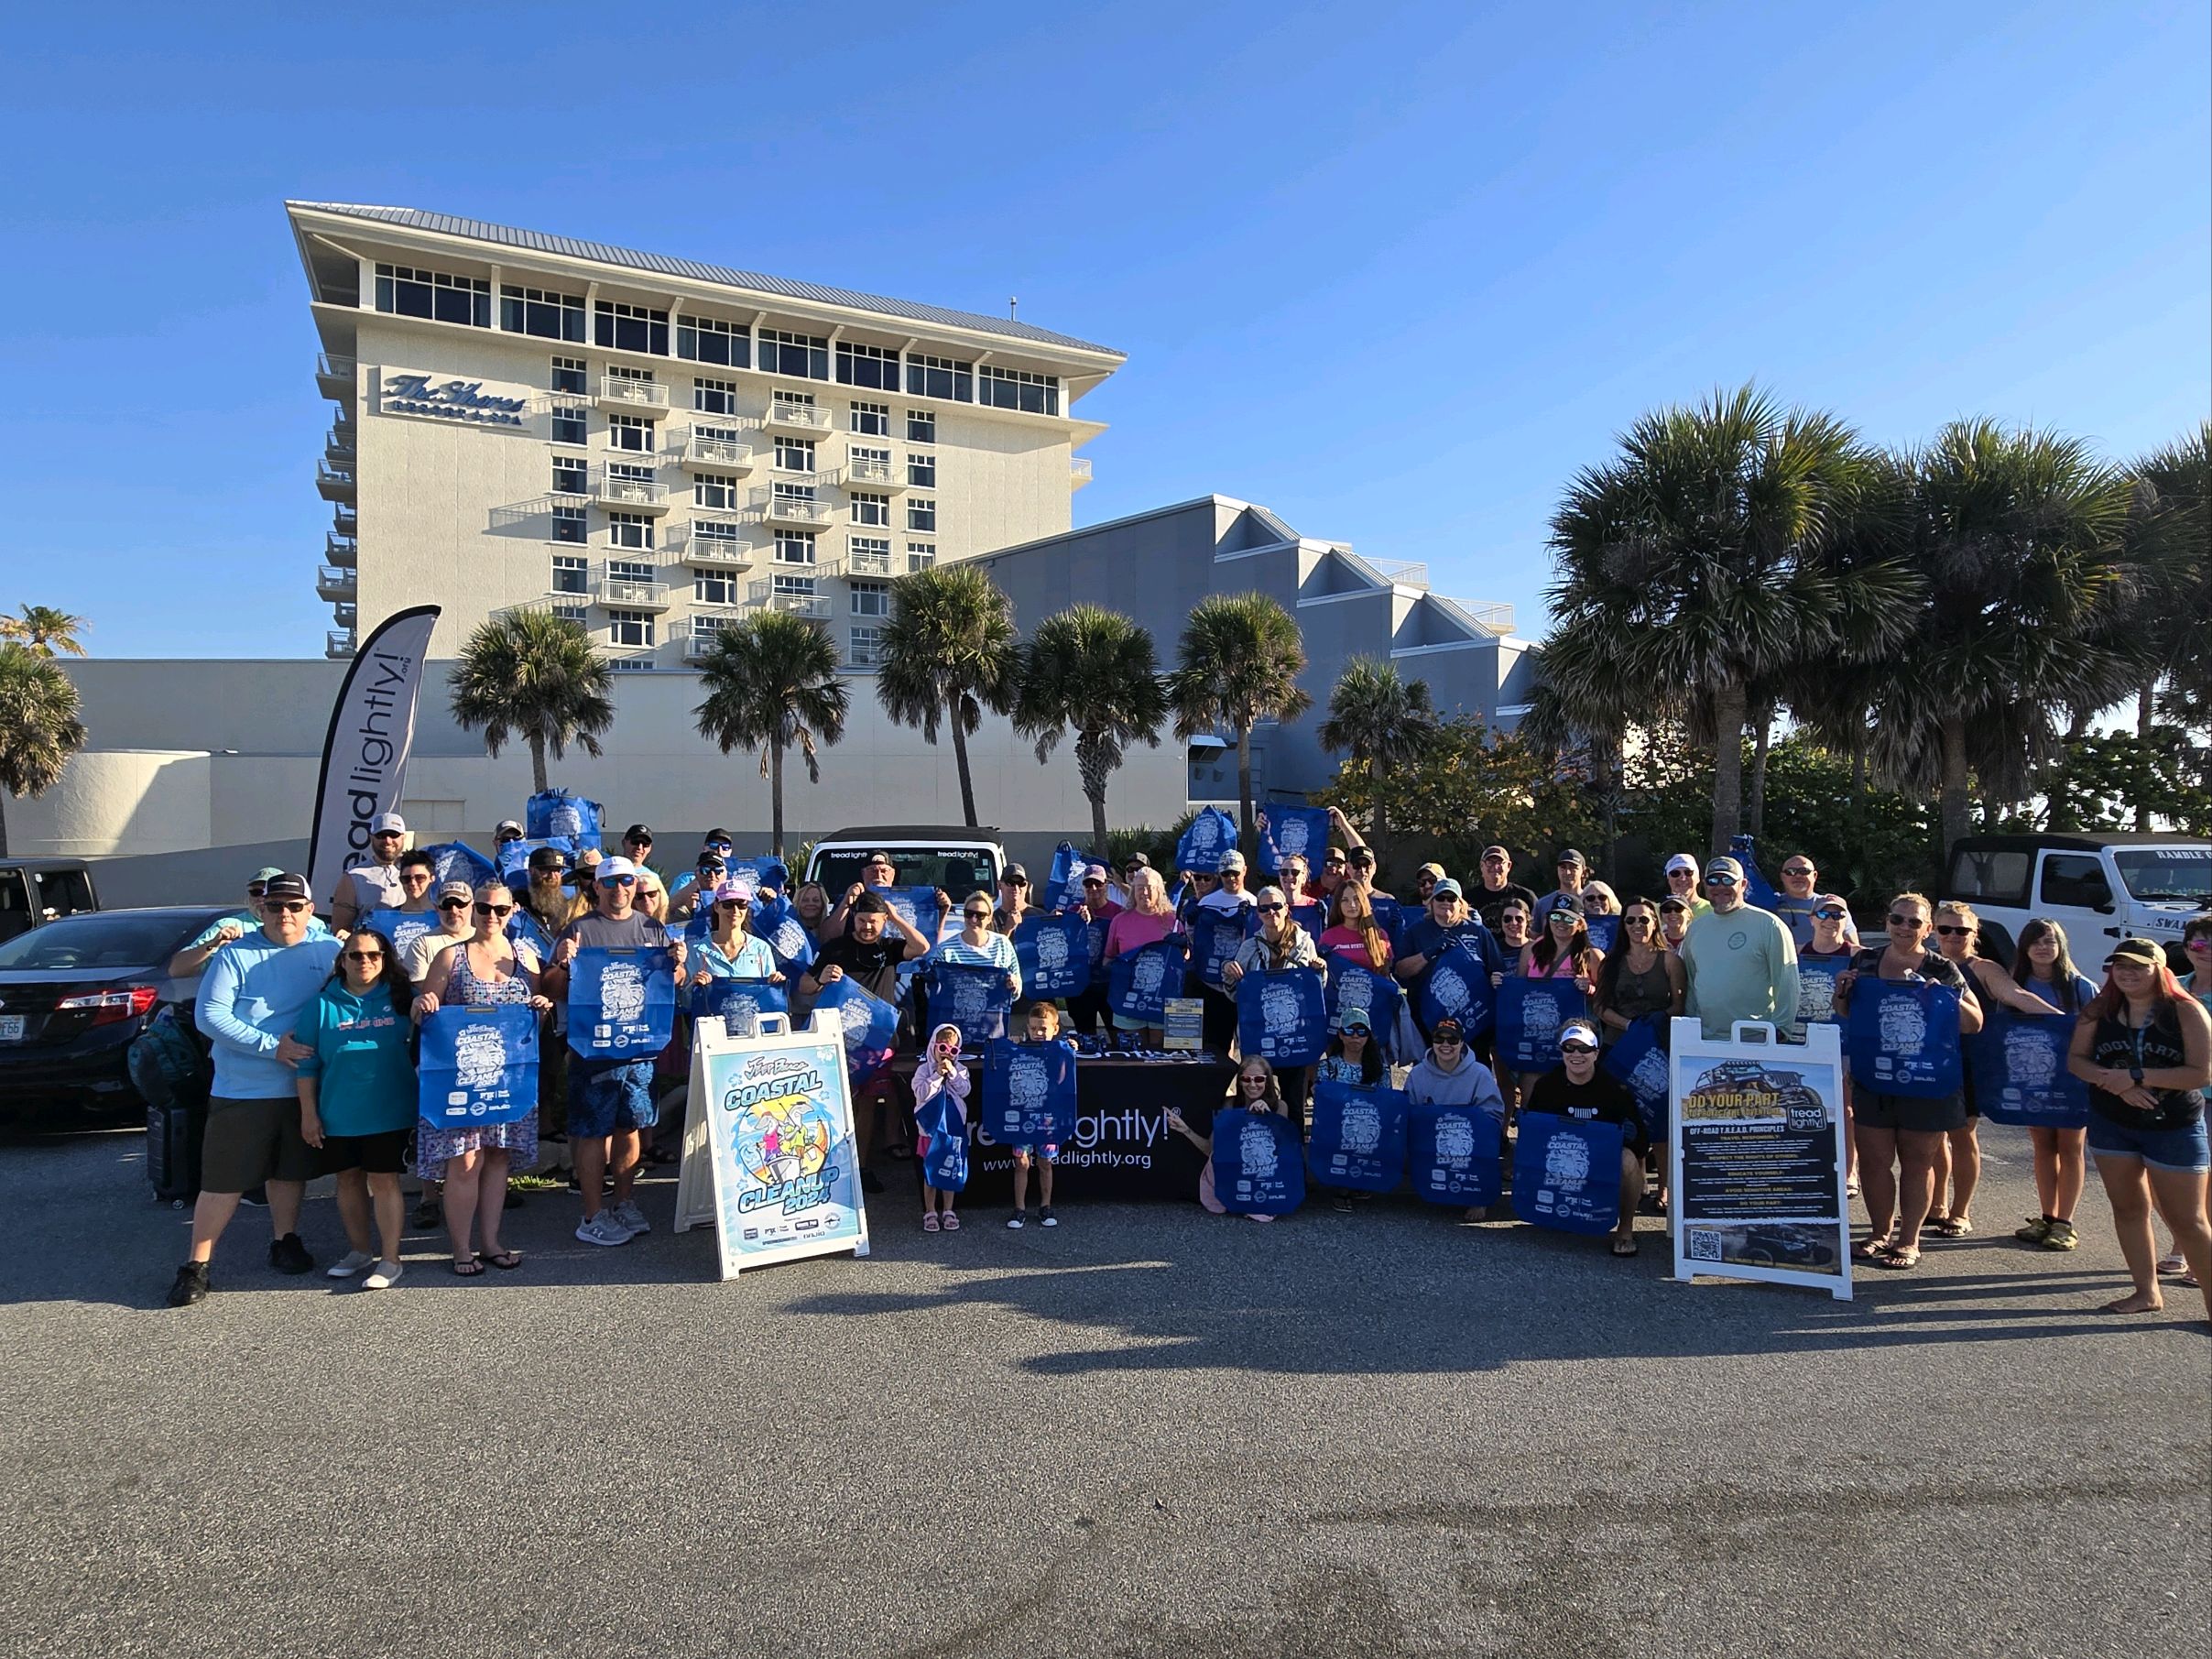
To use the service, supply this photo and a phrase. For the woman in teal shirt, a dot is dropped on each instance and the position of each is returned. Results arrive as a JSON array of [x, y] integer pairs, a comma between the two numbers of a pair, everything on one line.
[[357, 1095]]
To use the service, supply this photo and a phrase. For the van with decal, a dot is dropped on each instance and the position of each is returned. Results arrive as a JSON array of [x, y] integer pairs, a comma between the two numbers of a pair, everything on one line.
[[2099, 888], [957, 860]]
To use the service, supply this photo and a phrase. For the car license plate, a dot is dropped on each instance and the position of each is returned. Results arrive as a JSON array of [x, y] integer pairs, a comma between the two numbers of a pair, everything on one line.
[[11, 1028]]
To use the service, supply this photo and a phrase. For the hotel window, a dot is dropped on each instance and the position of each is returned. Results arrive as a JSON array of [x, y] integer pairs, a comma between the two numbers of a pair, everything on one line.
[[570, 613], [793, 500], [405, 291], [629, 627], [705, 631], [630, 328], [569, 575], [710, 340], [715, 397], [1017, 389], [867, 647], [530, 311], [713, 587], [919, 556], [922, 426], [921, 470], [634, 377], [806, 356], [794, 588], [921, 514], [795, 547], [940, 377], [718, 536], [628, 530], [871, 555], [728, 442], [569, 424], [866, 463], [571, 477], [631, 433], [628, 570], [571, 374], [871, 510], [871, 419], [569, 524], [875, 365], [623, 471], [794, 455], [716, 494], [871, 598]]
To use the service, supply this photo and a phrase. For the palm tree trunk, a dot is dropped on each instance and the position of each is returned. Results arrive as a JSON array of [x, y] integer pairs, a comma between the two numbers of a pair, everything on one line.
[[1246, 842], [1380, 818], [1854, 867], [1763, 741], [3, 824], [538, 763], [2145, 712], [1610, 786], [1099, 822], [2146, 695], [776, 799], [1091, 766], [1952, 810], [960, 759], [1728, 701]]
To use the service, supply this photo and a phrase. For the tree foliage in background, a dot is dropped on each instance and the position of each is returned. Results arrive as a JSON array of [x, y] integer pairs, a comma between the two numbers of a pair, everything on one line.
[[39, 728], [950, 650], [44, 630], [2125, 780], [1095, 672], [533, 675], [772, 684], [1239, 664], [1380, 719]]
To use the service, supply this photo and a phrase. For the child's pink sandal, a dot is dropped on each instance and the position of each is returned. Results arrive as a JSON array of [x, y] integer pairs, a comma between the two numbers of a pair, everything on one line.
[[929, 1221], [952, 1222]]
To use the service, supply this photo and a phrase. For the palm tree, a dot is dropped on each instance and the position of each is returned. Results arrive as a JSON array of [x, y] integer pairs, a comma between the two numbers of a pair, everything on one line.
[[2169, 547], [1093, 672], [771, 682], [1240, 659], [1376, 717], [2018, 534], [1581, 701], [950, 651], [1700, 555], [531, 674], [44, 630], [38, 726]]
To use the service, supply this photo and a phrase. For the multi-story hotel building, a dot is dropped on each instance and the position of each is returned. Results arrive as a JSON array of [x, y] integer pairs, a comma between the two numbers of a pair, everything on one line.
[[654, 446]]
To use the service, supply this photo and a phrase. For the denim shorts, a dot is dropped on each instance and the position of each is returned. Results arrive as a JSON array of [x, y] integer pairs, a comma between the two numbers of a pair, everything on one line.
[[605, 1100], [2185, 1151]]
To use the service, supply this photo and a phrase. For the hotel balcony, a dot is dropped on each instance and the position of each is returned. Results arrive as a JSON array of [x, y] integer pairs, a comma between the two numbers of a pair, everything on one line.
[[628, 658], [336, 581], [648, 397], [857, 655], [1079, 472], [872, 472], [335, 484], [800, 510], [334, 377], [717, 552], [762, 596], [721, 455], [340, 549], [345, 613], [631, 495], [624, 594], [338, 447], [790, 415], [338, 643], [345, 523], [706, 626], [870, 564]]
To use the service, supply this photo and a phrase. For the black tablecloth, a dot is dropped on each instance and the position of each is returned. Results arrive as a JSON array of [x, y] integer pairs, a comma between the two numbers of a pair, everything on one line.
[[1123, 1147]]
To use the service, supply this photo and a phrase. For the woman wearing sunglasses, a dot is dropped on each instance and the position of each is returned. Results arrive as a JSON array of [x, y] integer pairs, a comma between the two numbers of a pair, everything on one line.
[[729, 951], [1958, 1165], [1256, 1091], [1902, 1130], [976, 945], [1831, 944], [357, 1098], [1640, 978], [1561, 950], [484, 970], [1576, 1089]]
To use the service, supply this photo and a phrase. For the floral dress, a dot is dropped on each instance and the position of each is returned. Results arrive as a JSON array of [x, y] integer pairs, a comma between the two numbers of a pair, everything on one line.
[[465, 988]]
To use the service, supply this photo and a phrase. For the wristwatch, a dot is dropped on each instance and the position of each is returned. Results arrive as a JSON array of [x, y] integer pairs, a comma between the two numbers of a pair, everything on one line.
[[2135, 1074]]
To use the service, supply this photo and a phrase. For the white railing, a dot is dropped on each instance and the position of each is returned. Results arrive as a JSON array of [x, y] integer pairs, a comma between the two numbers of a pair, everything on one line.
[[1398, 572], [339, 442], [346, 522], [340, 369], [785, 411], [632, 492], [730, 553], [864, 656], [1079, 471], [345, 613], [791, 510], [871, 470], [716, 451], [329, 477], [621, 389], [868, 561], [1490, 616], [338, 642], [621, 589]]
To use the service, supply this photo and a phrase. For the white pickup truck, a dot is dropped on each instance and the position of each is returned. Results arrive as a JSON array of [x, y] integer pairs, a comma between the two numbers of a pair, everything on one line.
[[956, 859], [2099, 888]]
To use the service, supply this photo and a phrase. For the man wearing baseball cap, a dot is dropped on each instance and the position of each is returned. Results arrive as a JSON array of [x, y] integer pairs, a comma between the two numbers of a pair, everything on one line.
[[249, 999], [1498, 888], [1573, 870], [452, 901], [1681, 883], [236, 926], [1447, 923], [1739, 960], [373, 885], [1576, 1090], [1227, 902], [506, 830], [1014, 907]]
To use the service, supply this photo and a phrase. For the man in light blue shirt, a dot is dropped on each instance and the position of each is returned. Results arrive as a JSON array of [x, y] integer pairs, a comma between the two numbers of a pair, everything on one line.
[[250, 999], [236, 926]]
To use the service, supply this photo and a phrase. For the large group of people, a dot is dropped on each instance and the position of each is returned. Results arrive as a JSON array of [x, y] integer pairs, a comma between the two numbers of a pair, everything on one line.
[[312, 1029]]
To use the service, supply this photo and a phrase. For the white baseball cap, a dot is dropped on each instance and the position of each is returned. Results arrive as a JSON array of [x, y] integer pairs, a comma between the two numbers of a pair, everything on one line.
[[1682, 861], [391, 822], [606, 869]]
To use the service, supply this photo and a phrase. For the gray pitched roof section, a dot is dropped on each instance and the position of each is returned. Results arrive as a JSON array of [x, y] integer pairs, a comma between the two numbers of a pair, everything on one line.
[[477, 230]]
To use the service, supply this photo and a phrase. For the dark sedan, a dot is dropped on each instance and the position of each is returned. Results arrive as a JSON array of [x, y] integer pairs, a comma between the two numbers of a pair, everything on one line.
[[74, 993]]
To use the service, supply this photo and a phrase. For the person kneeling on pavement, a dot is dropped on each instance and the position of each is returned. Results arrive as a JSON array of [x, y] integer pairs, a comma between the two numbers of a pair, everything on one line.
[[1575, 1088]]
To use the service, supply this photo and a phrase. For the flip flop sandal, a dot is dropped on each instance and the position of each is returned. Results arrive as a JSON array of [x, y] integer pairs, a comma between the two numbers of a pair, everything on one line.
[[1896, 1261], [2172, 1267], [471, 1268], [507, 1262], [1624, 1246], [1867, 1250]]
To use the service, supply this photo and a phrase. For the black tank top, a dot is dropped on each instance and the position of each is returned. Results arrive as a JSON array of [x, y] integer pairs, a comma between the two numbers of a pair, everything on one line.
[[2152, 1047]]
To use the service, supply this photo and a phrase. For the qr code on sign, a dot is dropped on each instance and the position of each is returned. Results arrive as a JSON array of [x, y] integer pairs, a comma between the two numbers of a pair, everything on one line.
[[1705, 1245]]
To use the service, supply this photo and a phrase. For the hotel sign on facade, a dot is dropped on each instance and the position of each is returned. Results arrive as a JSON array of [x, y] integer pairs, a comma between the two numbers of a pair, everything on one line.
[[406, 393]]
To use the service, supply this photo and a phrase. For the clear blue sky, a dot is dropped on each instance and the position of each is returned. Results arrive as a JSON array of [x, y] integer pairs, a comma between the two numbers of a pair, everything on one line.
[[1396, 271]]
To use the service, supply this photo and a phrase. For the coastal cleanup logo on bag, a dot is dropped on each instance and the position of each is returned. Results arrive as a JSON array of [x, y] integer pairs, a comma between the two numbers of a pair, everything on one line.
[[1566, 1163], [1903, 1025], [1256, 1148], [621, 994], [1361, 1129], [2031, 1061], [479, 1058]]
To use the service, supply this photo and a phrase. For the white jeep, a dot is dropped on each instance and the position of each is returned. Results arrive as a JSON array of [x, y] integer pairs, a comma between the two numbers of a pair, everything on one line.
[[2099, 888]]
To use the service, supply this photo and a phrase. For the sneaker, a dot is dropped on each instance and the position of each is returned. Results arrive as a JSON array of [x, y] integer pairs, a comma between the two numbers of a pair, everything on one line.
[[428, 1212], [605, 1227], [1017, 1224], [631, 1217], [351, 1262], [288, 1255], [2036, 1231], [254, 1197], [191, 1285], [2061, 1237], [384, 1278], [1046, 1219]]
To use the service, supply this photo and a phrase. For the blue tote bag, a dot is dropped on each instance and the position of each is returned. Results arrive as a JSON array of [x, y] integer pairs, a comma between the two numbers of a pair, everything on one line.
[[1292, 832], [1376, 997], [1902, 1038], [1029, 1093], [1566, 1174], [1455, 1154], [1215, 938], [1212, 834], [1258, 1164], [622, 1001], [478, 1066], [1063, 883], [1457, 985], [1283, 1016], [1054, 954], [974, 999], [778, 926], [944, 1163], [403, 927], [1637, 1060], [870, 1026], [2020, 1070], [1603, 930], [1530, 1013], [523, 932], [457, 861], [1359, 1136], [515, 857], [739, 1003], [556, 812], [1139, 982]]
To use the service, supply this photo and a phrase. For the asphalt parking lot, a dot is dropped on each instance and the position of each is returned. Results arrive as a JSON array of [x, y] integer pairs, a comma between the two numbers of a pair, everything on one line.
[[1149, 1431]]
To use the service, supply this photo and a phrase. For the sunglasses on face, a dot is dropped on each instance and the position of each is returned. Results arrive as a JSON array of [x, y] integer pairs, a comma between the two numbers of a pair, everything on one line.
[[733, 904], [1953, 933], [1334, 863], [1723, 880], [720, 847], [1013, 881], [387, 835], [453, 904], [1563, 918], [257, 891], [1270, 909], [289, 906], [493, 909], [1635, 919], [617, 881], [412, 876], [2193, 944], [977, 915], [1445, 1042], [1674, 909], [1577, 1048], [1093, 881], [1898, 921], [365, 956], [1253, 1082], [1829, 915], [1798, 869]]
